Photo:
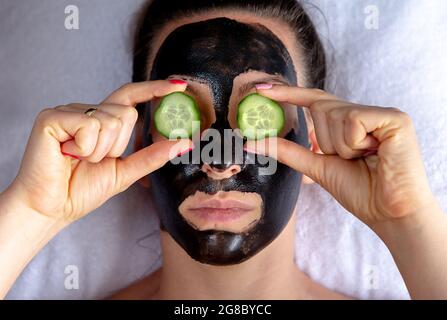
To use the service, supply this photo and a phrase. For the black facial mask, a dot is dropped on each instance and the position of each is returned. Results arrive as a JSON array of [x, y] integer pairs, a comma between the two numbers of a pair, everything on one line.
[[217, 51]]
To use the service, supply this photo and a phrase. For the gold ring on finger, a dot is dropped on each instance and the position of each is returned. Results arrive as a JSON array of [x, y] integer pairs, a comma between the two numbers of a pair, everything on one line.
[[90, 111]]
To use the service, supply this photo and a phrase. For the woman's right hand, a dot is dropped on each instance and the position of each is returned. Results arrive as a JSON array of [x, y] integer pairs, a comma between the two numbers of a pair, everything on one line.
[[71, 164]]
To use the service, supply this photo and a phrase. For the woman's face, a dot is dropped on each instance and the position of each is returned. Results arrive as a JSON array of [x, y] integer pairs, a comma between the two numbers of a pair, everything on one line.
[[222, 211]]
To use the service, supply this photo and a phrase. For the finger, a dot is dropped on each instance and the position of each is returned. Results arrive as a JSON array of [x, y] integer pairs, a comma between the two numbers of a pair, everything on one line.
[[147, 160], [336, 125], [356, 135], [291, 154], [382, 123], [128, 117], [319, 103], [77, 132], [108, 134], [298, 96], [322, 132], [133, 93]]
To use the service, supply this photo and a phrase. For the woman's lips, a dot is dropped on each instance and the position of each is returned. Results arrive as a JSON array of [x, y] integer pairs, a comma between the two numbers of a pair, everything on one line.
[[231, 211], [223, 204], [219, 214]]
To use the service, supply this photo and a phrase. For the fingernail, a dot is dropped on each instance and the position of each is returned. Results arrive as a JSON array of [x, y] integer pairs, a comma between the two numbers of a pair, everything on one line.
[[183, 152], [264, 86], [178, 81], [70, 155]]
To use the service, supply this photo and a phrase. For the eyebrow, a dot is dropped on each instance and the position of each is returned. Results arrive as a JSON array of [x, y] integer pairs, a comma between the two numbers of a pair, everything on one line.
[[192, 90], [243, 89], [190, 79], [249, 85]]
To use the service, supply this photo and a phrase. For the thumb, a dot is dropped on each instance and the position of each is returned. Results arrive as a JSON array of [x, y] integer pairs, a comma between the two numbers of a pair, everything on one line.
[[141, 163], [293, 155]]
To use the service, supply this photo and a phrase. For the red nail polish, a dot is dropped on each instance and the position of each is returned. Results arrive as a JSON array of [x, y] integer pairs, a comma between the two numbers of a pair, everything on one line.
[[177, 81], [264, 86], [183, 152], [70, 155]]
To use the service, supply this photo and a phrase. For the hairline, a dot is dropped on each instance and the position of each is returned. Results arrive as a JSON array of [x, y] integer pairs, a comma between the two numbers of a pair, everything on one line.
[[287, 36]]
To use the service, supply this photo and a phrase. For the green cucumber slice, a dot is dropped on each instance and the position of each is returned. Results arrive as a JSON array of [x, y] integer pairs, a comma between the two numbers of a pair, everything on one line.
[[175, 116], [259, 117]]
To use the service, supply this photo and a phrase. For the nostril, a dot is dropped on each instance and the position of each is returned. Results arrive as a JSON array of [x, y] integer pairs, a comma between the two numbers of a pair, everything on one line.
[[220, 172], [218, 167], [206, 169], [235, 170]]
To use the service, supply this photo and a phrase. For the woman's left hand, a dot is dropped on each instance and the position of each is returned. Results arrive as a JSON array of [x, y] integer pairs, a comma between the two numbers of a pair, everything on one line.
[[371, 163]]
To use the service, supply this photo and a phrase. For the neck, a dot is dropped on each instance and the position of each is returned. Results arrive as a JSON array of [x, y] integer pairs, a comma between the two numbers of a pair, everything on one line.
[[271, 274]]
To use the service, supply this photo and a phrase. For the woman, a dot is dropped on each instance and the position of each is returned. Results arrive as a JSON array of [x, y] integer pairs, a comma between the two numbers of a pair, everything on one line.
[[219, 52]]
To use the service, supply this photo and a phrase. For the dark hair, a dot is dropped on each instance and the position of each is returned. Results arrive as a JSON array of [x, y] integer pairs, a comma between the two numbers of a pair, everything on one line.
[[159, 12]]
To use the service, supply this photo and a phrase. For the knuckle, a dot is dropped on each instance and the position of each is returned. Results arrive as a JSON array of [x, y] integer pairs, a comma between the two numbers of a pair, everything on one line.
[[353, 115], [401, 117], [405, 118], [93, 123], [124, 92], [131, 114], [330, 115], [317, 106], [113, 124], [45, 111], [124, 89], [71, 106], [322, 104], [334, 114], [68, 107], [317, 114], [319, 92], [44, 115]]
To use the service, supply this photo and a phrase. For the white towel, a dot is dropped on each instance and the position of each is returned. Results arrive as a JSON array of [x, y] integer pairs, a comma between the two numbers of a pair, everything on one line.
[[400, 64]]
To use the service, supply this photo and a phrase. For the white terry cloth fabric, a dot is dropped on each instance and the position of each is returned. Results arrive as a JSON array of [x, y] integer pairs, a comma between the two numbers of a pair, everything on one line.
[[400, 64]]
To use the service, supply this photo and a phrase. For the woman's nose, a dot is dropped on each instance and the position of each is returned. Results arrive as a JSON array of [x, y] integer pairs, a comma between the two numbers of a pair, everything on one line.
[[220, 172]]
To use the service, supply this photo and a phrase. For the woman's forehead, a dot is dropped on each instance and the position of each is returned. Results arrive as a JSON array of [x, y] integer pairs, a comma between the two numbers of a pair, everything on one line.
[[279, 28], [221, 49]]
